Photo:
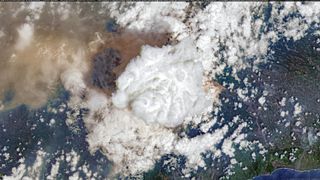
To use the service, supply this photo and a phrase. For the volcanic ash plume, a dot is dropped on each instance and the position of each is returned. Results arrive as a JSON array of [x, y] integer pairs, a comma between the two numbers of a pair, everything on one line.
[[156, 92], [137, 86], [163, 85], [40, 43], [113, 54]]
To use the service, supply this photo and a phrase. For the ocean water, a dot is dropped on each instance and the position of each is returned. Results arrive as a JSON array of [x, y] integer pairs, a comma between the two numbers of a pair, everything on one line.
[[285, 173], [291, 72], [25, 131]]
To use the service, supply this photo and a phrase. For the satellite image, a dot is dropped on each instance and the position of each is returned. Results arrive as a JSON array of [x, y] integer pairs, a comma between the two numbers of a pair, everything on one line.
[[197, 90]]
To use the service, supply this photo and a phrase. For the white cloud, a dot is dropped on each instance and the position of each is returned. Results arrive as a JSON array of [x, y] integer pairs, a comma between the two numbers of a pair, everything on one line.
[[167, 79], [25, 32], [163, 85], [123, 135]]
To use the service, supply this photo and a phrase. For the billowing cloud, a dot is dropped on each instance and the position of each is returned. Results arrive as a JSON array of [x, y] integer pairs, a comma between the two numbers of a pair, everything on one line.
[[163, 85]]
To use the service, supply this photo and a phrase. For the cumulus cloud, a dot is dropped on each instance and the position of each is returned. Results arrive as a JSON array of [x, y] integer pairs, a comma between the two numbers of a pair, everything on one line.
[[163, 85], [160, 87], [223, 34], [25, 32], [133, 145]]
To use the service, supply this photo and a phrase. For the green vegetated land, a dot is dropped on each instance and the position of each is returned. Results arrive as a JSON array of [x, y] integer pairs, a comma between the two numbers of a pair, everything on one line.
[[289, 157]]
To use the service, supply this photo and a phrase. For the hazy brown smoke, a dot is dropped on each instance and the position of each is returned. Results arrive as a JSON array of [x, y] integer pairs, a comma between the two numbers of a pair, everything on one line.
[[31, 69], [65, 35], [116, 52]]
